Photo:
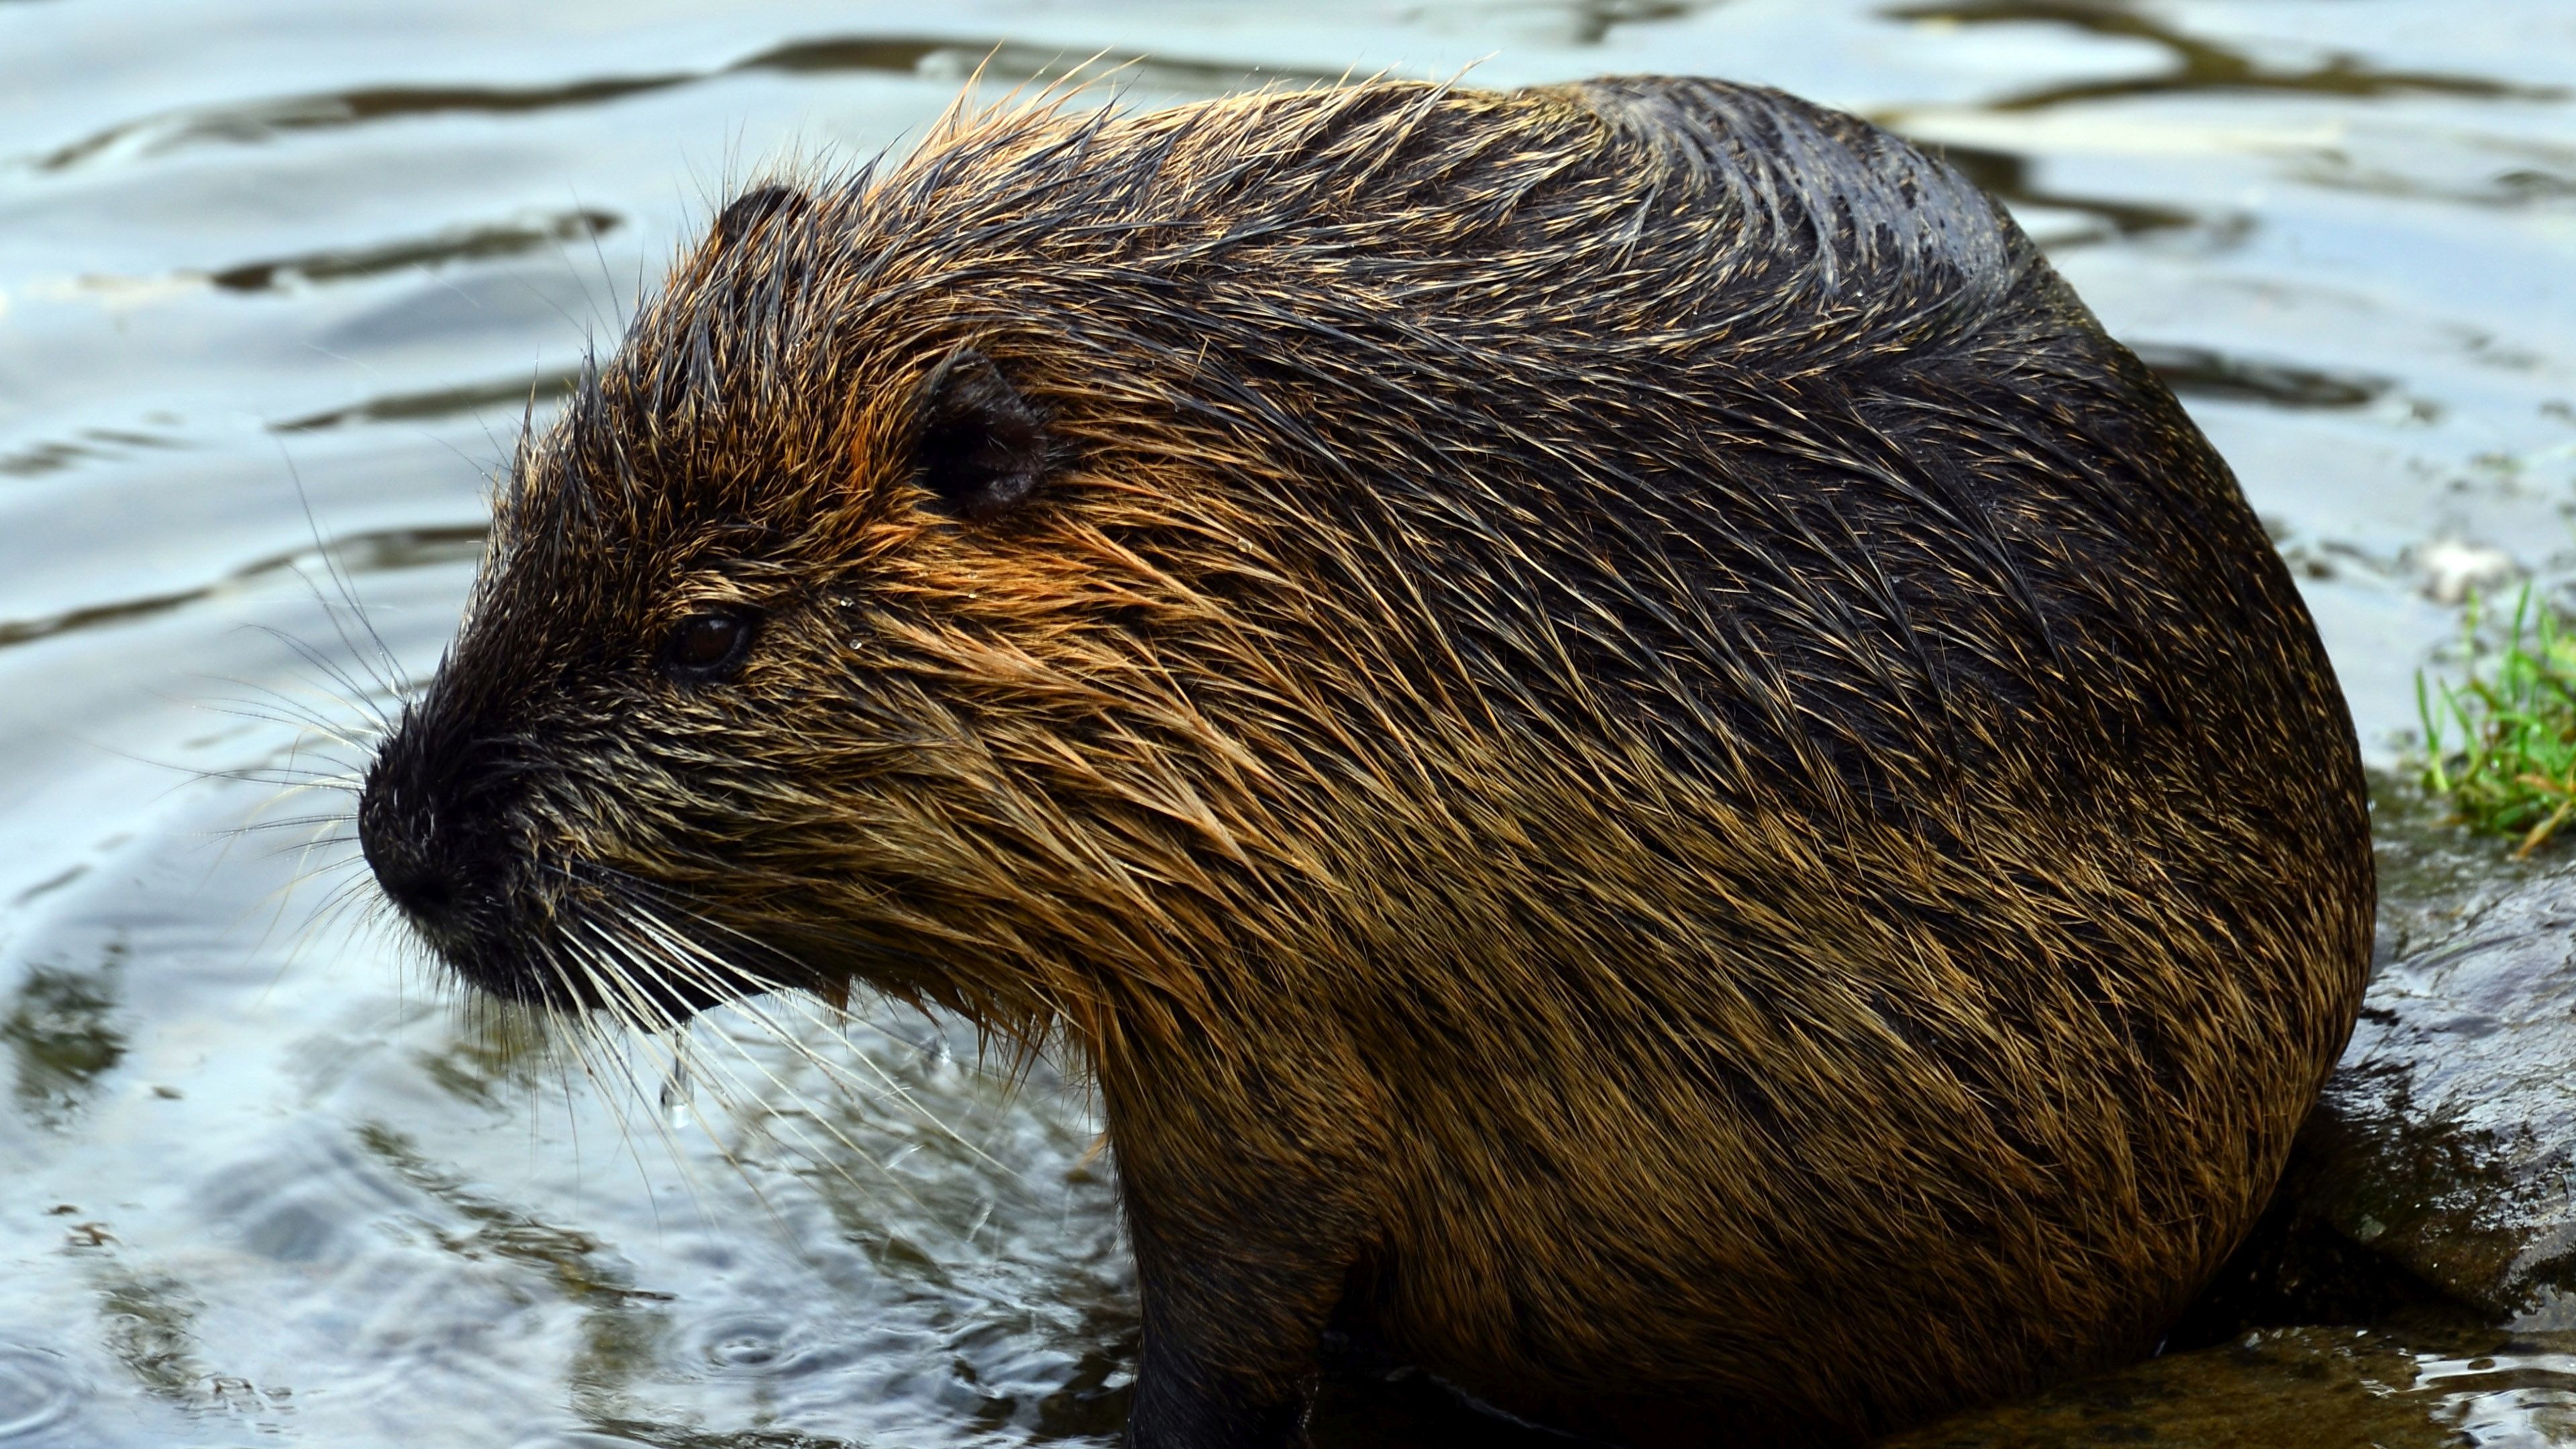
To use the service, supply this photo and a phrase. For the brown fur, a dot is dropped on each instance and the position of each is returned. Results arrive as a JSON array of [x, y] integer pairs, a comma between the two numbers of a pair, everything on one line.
[[1641, 763]]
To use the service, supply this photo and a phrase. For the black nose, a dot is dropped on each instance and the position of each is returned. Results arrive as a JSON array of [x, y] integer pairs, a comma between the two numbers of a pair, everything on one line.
[[415, 826], [399, 839], [398, 851], [433, 822]]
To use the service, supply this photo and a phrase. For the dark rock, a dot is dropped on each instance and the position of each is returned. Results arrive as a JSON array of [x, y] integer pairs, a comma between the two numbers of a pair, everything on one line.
[[2297, 1388], [2444, 1147]]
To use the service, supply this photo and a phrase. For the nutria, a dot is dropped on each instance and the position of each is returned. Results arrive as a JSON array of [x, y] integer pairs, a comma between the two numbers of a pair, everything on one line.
[[1642, 765]]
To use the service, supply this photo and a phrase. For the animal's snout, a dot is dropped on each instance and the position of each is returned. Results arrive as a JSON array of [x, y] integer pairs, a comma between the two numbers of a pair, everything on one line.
[[431, 848], [401, 850], [418, 871]]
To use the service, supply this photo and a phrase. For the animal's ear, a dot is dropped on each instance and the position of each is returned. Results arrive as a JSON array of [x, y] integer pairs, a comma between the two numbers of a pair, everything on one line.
[[744, 214], [979, 446]]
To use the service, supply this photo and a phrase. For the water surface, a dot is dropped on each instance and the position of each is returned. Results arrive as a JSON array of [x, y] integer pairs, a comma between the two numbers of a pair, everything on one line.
[[278, 285]]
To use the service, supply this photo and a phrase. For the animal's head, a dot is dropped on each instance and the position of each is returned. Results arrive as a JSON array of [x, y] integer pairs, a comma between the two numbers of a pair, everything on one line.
[[732, 702], [854, 618]]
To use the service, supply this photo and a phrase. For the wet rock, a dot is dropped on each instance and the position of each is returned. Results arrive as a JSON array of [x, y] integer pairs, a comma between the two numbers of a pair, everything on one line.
[[2445, 1144], [2297, 1388]]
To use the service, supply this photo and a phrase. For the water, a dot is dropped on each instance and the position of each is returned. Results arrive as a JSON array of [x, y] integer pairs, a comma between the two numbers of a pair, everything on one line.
[[278, 284]]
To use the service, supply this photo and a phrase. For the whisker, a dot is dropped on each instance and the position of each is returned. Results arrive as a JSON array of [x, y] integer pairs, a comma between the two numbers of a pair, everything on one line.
[[603, 974], [357, 696], [581, 1040], [685, 949], [291, 822], [296, 711], [843, 1140], [346, 585], [1029, 1050]]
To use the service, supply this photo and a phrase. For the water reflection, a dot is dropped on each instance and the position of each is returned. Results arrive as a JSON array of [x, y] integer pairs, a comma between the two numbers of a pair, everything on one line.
[[2508, 175], [373, 552], [498, 1058], [463, 244], [615, 1433], [2301, 1386], [254, 121], [150, 1325], [95, 443], [2201, 64], [532, 392], [572, 1261], [622, 1328], [1589, 22], [62, 1035], [2521, 1394], [2207, 372], [2008, 175]]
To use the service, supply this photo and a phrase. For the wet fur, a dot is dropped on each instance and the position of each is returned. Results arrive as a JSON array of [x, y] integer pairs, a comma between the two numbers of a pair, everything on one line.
[[1646, 768]]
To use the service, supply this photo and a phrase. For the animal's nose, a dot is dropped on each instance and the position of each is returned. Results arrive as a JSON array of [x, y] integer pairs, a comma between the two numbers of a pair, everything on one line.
[[400, 838]]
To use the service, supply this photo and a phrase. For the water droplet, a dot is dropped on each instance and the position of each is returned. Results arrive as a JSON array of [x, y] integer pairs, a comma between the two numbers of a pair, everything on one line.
[[677, 1091]]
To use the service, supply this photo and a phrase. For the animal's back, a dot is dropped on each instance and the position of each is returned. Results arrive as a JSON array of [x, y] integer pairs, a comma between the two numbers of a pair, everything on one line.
[[1886, 873]]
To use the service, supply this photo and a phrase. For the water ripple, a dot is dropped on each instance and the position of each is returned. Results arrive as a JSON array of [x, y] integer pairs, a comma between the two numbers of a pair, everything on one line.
[[441, 402], [2207, 372], [2201, 65], [358, 553], [36, 1392], [473, 243], [256, 120]]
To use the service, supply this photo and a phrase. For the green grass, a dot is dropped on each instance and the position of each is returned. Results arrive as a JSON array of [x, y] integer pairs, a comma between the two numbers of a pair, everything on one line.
[[2501, 745]]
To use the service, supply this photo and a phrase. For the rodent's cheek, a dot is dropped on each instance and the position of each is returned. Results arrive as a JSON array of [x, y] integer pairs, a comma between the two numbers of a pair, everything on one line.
[[1035, 588]]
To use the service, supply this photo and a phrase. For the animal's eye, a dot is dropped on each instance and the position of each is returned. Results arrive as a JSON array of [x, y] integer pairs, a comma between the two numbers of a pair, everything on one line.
[[708, 647]]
